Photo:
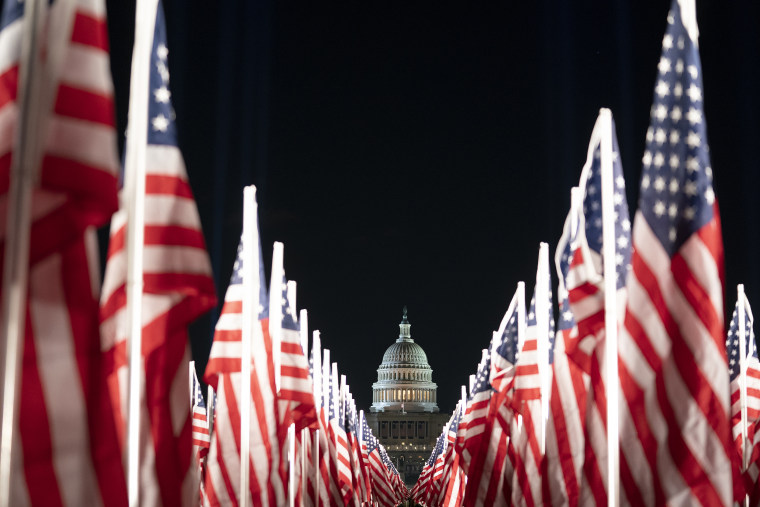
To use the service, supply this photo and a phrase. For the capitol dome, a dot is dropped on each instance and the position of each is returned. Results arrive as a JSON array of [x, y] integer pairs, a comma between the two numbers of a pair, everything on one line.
[[404, 378]]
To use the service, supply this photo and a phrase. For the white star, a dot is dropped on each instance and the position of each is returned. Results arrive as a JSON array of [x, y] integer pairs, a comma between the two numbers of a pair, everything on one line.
[[617, 198], [622, 242], [674, 137], [672, 234], [659, 159], [620, 182], [650, 131], [679, 66], [162, 51], [709, 196], [677, 90], [162, 95], [568, 315], [595, 205], [692, 164], [694, 116], [694, 93], [531, 316], [680, 42], [661, 112], [674, 162], [673, 186], [689, 213], [667, 41], [664, 65], [673, 210], [659, 208], [591, 190], [693, 140], [645, 180], [647, 159], [708, 171], [662, 89], [675, 114], [619, 259], [660, 136], [693, 71], [659, 184], [163, 71], [690, 188], [160, 123], [626, 225]]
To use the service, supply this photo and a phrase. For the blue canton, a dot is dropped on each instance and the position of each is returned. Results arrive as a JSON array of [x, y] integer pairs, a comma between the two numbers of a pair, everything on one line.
[[507, 347], [592, 210], [482, 377], [676, 184], [531, 320], [237, 279], [732, 341], [566, 318], [289, 320], [161, 126]]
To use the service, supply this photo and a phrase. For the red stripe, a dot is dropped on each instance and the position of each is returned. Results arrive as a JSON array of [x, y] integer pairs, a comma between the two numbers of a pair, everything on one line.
[[85, 105], [90, 31], [581, 292], [8, 86], [105, 451], [34, 429], [161, 184], [564, 449]]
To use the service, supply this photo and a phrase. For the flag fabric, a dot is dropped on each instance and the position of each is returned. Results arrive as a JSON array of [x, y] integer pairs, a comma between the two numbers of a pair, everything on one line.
[[266, 481], [527, 398], [296, 394], [586, 296], [337, 434], [201, 434], [382, 489], [67, 446], [178, 287], [752, 377], [565, 442], [675, 433]]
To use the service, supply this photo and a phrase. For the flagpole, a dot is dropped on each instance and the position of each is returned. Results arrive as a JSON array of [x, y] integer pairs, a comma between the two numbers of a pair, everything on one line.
[[610, 309], [742, 370], [249, 311], [291, 468], [210, 409], [317, 379], [24, 174], [542, 330], [134, 195], [303, 321], [275, 308], [522, 325]]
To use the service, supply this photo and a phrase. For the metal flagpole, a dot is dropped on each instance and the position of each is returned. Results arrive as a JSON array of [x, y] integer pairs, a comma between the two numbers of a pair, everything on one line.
[[303, 321], [317, 369], [134, 194], [742, 370], [275, 308], [251, 285], [610, 309], [291, 462], [24, 174], [191, 383], [542, 331]]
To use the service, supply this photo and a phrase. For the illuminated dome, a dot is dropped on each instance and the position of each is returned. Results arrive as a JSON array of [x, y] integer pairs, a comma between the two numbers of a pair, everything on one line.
[[404, 379]]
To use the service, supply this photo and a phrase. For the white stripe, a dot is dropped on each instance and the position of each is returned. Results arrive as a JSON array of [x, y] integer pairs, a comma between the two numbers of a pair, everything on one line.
[[165, 160], [10, 41], [702, 265], [94, 8], [61, 385], [90, 143], [87, 68], [161, 209]]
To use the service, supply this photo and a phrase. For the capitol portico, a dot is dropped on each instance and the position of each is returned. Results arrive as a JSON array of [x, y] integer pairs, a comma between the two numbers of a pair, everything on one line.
[[404, 413]]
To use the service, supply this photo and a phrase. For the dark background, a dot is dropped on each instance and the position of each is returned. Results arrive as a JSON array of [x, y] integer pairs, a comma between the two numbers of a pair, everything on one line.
[[414, 153]]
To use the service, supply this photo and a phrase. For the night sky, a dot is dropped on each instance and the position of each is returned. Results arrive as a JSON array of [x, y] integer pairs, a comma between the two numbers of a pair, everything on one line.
[[416, 154]]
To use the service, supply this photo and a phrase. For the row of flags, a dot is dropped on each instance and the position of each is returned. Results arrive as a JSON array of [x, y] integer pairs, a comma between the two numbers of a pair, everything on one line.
[[640, 303], [72, 412], [636, 396]]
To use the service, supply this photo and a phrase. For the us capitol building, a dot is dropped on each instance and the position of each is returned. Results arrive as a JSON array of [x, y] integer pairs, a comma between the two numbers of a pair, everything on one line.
[[404, 413]]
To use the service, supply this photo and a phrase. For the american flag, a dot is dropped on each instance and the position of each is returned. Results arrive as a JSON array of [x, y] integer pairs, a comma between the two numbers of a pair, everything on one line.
[[360, 487], [223, 371], [565, 441], [338, 441], [528, 399], [475, 420], [586, 293], [69, 450], [178, 287], [296, 394], [382, 488], [674, 373], [752, 375], [453, 490], [201, 437]]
